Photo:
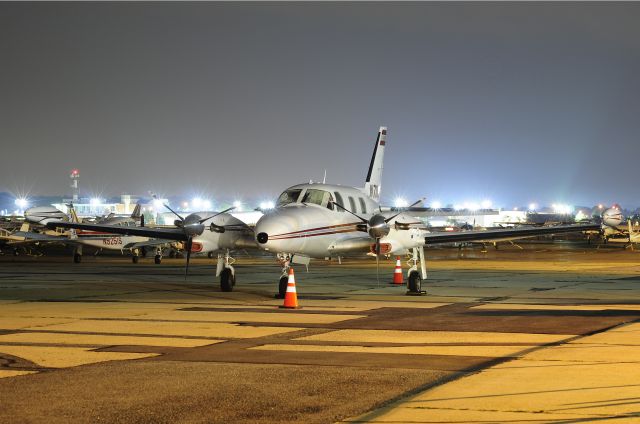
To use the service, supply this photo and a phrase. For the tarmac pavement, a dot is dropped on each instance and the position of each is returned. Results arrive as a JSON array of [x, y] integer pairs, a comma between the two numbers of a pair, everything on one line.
[[544, 334]]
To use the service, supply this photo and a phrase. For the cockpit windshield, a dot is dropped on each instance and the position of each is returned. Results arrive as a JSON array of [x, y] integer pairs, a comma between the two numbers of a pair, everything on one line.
[[289, 196], [319, 197]]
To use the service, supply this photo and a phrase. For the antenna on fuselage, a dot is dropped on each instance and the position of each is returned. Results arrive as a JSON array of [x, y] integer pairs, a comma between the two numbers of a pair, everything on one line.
[[324, 179]]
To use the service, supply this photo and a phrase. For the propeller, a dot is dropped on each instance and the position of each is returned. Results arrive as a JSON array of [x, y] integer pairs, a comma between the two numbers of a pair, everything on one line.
[[377, 227], [193, 225]]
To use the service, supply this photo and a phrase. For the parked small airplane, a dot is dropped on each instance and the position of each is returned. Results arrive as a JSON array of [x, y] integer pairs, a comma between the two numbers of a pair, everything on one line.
[[100, 240], [319, 221]]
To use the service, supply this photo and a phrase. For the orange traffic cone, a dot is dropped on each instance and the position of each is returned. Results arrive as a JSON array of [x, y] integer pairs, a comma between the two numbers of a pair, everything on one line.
[[397, 273], [291, 297]]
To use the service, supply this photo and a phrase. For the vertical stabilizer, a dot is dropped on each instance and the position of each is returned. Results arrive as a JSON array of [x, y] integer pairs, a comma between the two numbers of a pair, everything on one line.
[[136, 212], [373, 183]]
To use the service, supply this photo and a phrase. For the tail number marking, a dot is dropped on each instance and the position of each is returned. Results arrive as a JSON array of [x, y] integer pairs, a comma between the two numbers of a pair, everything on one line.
[[112, 241]]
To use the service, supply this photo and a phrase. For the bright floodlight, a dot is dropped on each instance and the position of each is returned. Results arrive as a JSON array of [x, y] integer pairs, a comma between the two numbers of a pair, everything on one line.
[[207, 204], [266, 205], [238, 205], [486, 204], [532, 206], [22, 202], [196, 202], [472, 206], [157, 204], [95, 201], [400, 202], [436, 205]]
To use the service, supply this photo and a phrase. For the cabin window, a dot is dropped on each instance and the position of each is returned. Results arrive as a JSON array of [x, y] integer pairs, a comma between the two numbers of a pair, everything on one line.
[[339, 201], [363, 206], [318, 197], [289, 196], [352, 203]]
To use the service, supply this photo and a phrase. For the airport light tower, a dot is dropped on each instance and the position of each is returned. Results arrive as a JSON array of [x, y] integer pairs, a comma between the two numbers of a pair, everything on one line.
[[75, 191]]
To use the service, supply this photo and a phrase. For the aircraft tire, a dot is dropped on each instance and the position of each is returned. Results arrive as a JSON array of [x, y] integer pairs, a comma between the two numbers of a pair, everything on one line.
[[77, 258], [414, 282], [282, 286], [227, 280], [135, 259], [210, 255], [157, 259]]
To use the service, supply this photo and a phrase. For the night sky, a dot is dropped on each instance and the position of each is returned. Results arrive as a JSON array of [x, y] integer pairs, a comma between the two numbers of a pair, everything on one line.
[[515, 102]]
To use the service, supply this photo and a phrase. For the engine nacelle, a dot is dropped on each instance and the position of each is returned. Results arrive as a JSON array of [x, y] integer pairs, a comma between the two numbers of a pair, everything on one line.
[[612, 217]]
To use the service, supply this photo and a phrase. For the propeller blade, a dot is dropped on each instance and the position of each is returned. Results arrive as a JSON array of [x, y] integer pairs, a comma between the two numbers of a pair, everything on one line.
[[410, 206], [174, 212], [219, 213], [188, 247], [347, 210]]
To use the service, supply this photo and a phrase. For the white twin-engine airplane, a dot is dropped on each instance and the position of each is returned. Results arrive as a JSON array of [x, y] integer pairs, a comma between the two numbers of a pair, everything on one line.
[[320, 221]]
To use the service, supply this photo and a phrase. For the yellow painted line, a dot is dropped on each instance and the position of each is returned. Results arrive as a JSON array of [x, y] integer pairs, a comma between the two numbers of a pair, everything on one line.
[[512, 306], [592, 353], [12, 373], [289, 317], [80, 309], [163, 328], [483, 351], [102, 340], [34, 323], [412, 337], [372, 302], [62, 357], [426, 414]]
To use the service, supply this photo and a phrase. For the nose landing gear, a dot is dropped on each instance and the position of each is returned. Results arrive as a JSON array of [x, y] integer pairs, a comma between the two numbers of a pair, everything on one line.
[[285, 260], [226, 272]]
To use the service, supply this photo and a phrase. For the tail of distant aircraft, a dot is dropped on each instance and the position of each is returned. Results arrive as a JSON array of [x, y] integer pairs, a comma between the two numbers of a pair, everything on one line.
[[136, 212], [373, 183]]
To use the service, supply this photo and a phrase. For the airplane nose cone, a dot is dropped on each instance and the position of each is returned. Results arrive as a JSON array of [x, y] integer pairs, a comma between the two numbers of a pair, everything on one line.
[[262, 238]]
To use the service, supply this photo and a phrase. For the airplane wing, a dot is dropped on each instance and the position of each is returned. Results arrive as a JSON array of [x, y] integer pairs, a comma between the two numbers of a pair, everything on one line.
[[159, 233], [505, 234]]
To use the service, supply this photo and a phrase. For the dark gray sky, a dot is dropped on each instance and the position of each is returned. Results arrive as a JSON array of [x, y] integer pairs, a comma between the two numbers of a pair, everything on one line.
[[516, 102]]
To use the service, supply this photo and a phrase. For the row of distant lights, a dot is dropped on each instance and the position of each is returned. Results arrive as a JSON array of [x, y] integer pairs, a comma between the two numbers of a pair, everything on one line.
[[401, 202]]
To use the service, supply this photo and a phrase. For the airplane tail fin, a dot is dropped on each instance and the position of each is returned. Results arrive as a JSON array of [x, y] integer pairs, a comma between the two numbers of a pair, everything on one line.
[[372, 185], [136, 212], [74, 215], [25, 227]]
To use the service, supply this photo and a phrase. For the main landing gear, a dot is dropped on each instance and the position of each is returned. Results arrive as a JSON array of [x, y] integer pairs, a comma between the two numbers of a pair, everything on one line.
[[158, 258], [135, 256], [415, 276], [77, 255], [226, 272]]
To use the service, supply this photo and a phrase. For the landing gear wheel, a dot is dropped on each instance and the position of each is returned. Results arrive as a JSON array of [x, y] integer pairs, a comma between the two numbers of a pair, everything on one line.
[[143, 252], [227, 280], [157, 259], [135, 259], [77, 258], [414, 282], [210, 255], [282, 287]]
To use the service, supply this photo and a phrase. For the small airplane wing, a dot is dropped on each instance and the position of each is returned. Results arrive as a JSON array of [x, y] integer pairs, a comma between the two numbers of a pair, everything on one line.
[[159, 233], [505, 234]]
